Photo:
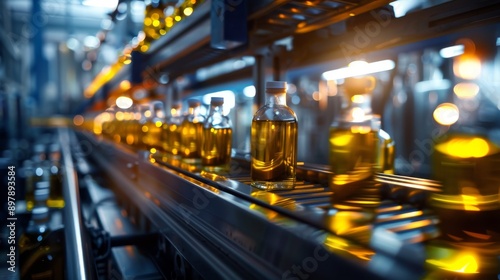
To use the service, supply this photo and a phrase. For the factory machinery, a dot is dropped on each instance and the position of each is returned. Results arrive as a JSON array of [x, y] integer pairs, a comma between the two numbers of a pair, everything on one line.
[[135, 212]]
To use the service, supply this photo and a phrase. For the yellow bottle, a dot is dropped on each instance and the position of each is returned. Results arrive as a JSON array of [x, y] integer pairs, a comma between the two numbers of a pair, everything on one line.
[[273, 141], [217, 138], [172, 131], [192, 133], [354, 142], [56, 198]]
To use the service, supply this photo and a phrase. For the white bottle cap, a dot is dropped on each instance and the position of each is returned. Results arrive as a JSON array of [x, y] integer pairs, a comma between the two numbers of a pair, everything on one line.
[[276, 84]]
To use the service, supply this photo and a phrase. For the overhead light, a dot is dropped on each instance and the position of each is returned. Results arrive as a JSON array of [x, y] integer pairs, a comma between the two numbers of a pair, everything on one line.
[[359, 68], [451, 51], [431, 85], [91, 42], [446, 114], [229, 99], [249, 91], [111, 4], [124, 102]]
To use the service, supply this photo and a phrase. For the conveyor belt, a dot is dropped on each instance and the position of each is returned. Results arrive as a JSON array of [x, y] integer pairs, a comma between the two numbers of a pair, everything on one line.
[[386, 223]]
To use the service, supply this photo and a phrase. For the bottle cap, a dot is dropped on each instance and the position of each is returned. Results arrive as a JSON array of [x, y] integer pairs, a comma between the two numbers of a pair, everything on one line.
[[42, 185], [276, 85], [39, 148], [193, 103], [40, 213], [176, 105], [218, 101], [54, 147], [41, 195]]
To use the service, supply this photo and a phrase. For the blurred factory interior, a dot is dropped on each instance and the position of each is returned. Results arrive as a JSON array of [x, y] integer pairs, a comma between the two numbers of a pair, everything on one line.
[[84, 85]]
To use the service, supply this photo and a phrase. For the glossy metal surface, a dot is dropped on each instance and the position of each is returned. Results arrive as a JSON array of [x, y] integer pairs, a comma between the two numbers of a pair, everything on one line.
[[78, 261], [251, 232], [227, 229]]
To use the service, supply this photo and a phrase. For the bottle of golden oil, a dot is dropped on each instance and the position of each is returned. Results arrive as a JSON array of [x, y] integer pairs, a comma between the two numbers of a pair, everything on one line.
[[217, 138], [30, 181], [273, 141], [192, 133], [354, 142], [142, 127], [467, 163], [134, 131], [386, 150], [36, 170], [155, 127], [41, 250], [56, 199], [172, 131]]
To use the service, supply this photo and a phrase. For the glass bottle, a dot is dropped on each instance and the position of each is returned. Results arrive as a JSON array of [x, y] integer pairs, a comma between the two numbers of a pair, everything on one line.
[[217, 138], [41, 249], [386, 150], [192, 133], [142, 129], [171, 130], [466, 161], [155, 126], [274, 141], [354, 143], [56, 199], [29, 174]]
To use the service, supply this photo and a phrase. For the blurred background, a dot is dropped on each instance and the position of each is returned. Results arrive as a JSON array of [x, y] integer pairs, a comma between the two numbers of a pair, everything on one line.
[[54, 55]]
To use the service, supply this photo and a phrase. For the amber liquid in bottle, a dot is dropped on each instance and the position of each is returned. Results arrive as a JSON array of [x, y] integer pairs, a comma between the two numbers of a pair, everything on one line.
[[153, 135], [273, 154], [191, 134], [352, 156], [173, 138], [468, 166], [216, 147], [386, 153]]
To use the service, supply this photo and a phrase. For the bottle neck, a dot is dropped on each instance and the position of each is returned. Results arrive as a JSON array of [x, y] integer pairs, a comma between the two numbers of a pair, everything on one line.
[[193, 111], [175, 112], [215, 109], [276, 98]]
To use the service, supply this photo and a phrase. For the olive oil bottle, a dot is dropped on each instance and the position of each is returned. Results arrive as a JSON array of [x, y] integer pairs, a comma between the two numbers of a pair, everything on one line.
[[274, 141], [467, 163], [354, 142], [56, 198], [172, 131], [192, 133], [41, 248], [217, 138], [155, 126]]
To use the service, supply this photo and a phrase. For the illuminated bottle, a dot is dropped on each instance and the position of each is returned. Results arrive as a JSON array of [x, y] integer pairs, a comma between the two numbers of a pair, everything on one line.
[[56, 199], [155, 126], [466, 162], [273, 141], [217, 138], [172, 130], [135, 128], [192, 132], [143, 129], [31, 179], [385, 152], [36, 171], [41, 249], [354, 143]]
